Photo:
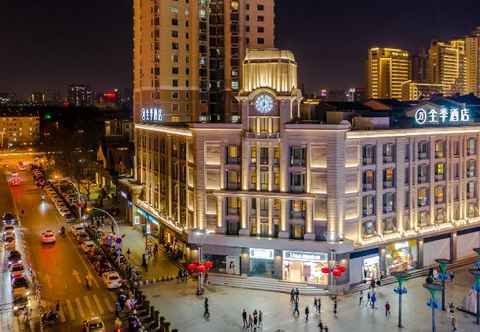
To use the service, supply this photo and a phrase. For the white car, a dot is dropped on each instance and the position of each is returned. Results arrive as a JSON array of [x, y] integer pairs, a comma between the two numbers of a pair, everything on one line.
[[112, 280], [94, 324], [77, 228], [63, 211], [48, 237], [88, 246], [9, 242]]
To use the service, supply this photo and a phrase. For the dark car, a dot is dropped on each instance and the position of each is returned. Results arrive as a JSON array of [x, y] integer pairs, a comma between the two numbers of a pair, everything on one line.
[[14, 257], [9, 218]]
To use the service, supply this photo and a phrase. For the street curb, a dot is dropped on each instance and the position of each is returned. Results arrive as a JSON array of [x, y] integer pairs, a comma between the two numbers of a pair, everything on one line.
[[155, 281]]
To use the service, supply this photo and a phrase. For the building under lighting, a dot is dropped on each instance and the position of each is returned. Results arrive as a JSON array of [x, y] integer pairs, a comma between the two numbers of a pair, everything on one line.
[[472, 49], [80, 95], [187, 55], [277, 196], [415, 90], [447, 66], [387, 69], [18, 128]]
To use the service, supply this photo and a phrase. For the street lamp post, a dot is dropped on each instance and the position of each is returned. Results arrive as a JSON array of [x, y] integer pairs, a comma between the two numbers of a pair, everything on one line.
[[432, 302], [476, 288], [400, 290], [114, 222], [442, 265]]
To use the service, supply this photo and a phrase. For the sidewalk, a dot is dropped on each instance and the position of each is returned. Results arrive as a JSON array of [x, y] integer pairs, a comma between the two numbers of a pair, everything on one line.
[[159, 266]]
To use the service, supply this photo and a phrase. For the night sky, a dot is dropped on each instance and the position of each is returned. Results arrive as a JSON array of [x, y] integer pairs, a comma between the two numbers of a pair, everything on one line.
[[50, 44]]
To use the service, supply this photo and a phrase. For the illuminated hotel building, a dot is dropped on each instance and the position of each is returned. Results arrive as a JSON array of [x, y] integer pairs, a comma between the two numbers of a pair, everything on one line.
[[447, 66], [472, 50], [275, 196], [415, 90], [387, 69], [187, 54]]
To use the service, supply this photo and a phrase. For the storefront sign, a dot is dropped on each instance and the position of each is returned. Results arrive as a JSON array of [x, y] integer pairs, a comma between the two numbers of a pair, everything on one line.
[[445, 116], [261, 253], [305, 256], [152, 114]]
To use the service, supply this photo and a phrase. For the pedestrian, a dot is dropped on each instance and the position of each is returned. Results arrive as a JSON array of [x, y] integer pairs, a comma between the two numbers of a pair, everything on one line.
[[57, 306], [452, 276], [292, 295], [295, 309], [325, 328], [244, 318], [260, 318], [387, 309], [255, 319], [250, 321], [369, 298], [117, 309], [307, 311], [320, 325], [315, 303], [360, 299], [144, 261], [297, 294], [319, 303], [206, 312], [128, 253], [335, 306], [373, 299]]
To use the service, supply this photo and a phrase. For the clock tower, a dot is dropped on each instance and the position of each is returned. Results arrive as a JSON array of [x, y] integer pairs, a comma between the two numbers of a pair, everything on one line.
[[269, 96]]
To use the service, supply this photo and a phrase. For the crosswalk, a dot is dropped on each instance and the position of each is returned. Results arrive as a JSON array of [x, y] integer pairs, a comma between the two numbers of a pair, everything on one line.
[[83, 307]]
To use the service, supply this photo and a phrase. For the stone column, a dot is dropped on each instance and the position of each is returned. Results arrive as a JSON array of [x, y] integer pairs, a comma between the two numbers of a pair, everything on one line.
[[309, 232], [244, 216], [258, 216], [379, 186], [284, 231], [270, 216], [220, 220], [400, 183], [432, 179]]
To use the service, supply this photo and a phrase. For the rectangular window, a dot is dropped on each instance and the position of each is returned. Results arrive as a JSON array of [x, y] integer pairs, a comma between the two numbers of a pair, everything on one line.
[[388, 153], [276, 155], [368, 205], [175, 83], [297, 156], [174, 46], [422, 197], [233, 154], [456, 149], [175, 70], [260, 29], [439, 194], [422, 150], [439, 171], [440, 149], [470, 190], [174, 21], [253, 155], [233, 180], [297, 209], [264, 181], [297, 182], [388, 202], [264, 155], [422, 174], [471, 165], [260, 18], [174, 33], [260, 41], [253, 178], [471, 146], [388, 178], [260, 7], [368, 180], [368, 154]]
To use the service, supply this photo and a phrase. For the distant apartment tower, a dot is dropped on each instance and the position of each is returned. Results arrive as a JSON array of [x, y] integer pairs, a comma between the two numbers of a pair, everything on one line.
[[472, 49], [187, 55], [80, 95], [415, 90], [387, 69], [446, 65], [38, 98], [419, 65]]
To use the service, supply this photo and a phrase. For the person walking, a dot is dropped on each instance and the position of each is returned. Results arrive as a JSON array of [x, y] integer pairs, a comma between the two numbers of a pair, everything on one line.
[[373, 299], [360, 299], [295, 309], [260, 318], [250, 321], [244, 318], [319, 303], [307, 311], [292, 295], [387, 309], [335, 306], [297, 294], [206, 312], [369, 298], [315, 303], [255, 320]]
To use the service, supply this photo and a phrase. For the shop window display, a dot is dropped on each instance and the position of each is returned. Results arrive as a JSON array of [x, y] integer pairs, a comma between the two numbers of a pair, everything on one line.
[[299, 266], [401, 256]]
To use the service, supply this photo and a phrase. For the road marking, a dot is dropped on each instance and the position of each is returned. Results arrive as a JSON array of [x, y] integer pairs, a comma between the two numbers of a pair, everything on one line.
[[70, 310], [89, 305], [95, 298], [77, 276], [62, 315], [79, 305], [94, 280], [109, 304]]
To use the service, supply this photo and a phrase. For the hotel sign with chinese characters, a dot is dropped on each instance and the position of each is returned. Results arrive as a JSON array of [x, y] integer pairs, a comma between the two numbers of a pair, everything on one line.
[[152, 114], [443, 116]]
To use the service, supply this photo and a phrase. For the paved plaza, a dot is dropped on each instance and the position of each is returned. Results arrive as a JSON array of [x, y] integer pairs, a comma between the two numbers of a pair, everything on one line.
[[180, 306]]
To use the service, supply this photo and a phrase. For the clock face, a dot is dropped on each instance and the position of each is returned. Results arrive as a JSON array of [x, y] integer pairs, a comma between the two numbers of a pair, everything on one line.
[[264, 103]]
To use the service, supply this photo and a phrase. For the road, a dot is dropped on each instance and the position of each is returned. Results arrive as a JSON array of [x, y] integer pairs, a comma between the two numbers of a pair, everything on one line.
[[60, 268]]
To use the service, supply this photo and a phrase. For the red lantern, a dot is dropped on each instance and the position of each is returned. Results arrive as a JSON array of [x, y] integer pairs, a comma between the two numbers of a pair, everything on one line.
[[325, 269], [208, 264], [191, 267], [201, 268], [341, 268], [336, 273]]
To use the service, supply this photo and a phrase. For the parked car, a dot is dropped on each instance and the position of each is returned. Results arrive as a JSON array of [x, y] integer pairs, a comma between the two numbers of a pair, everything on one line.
[[14, 257], [94, 324], [9, 243], [82, 236], [69, 217], [112, 280], [17, 270], [88, 246], [20, 286], [77, 228], [9, 219]]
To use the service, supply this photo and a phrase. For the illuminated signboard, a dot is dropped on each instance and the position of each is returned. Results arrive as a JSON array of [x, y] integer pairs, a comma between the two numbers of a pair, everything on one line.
[[444, 116], [261, 253], [152, 114]]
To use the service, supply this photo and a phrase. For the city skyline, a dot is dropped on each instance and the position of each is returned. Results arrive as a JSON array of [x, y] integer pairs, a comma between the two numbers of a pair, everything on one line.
[[102, 49]]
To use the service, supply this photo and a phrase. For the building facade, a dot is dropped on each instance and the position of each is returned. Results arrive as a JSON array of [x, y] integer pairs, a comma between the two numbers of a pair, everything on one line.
[[387, 69], [472, 50], [447, 66], [18, 128], [414, 90], [80, 95], [187, 55], [280, 197]]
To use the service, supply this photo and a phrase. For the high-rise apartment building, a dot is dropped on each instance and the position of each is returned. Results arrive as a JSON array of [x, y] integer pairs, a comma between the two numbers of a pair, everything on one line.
[[387, 69], [80, 95], [419, 66], [447, 65], [187, 54], [472, 49]]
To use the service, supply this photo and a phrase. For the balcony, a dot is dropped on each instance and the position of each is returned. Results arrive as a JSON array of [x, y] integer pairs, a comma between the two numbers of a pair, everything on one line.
[[233, 161], [297, 162], [262, 135], [368, 160], [297, 189], [367, 212], [368, 186], [422, 155], [233, 211], [422, 179], [233, 186], [263, 212], [470, 173], [439, 177], [388, 184], [387, 159], [297, 214], [422, 202], [470, 195]]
